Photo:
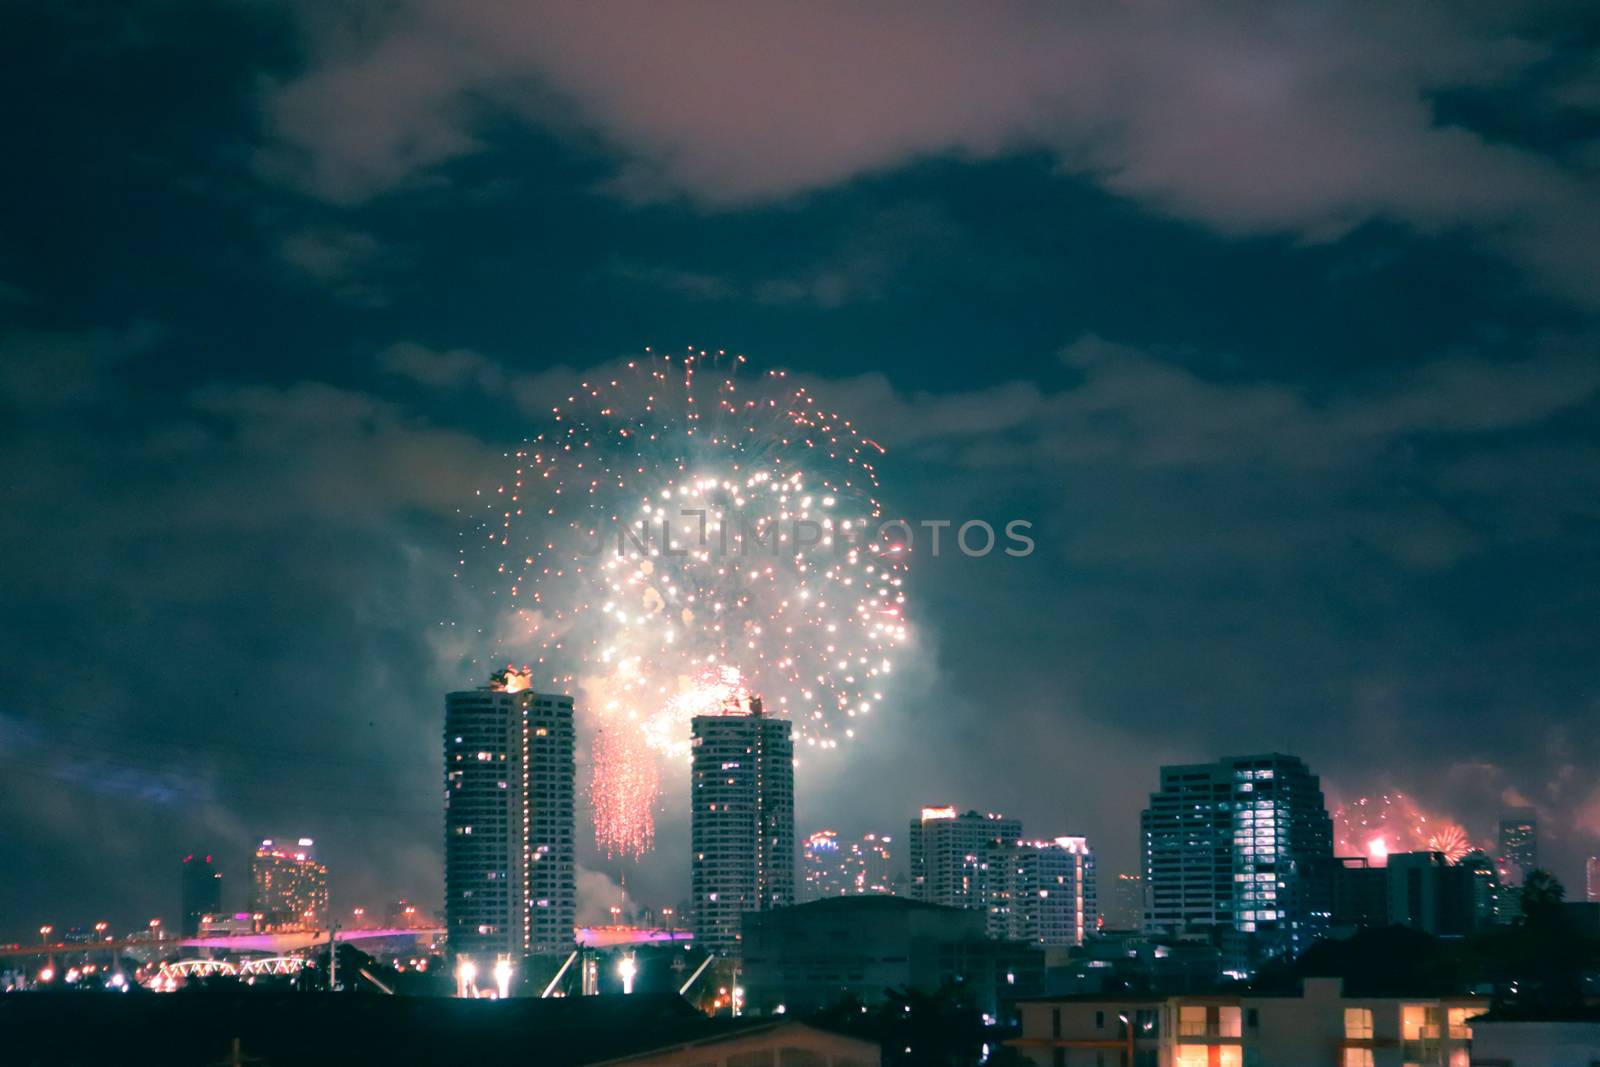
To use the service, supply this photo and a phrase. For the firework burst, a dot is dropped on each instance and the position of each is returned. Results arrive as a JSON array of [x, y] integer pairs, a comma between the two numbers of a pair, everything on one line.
[[1392, 822], [677, 540]]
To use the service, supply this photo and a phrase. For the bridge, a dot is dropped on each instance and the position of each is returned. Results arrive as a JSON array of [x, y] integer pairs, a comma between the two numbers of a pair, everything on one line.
[[276, 944], [202, 968]]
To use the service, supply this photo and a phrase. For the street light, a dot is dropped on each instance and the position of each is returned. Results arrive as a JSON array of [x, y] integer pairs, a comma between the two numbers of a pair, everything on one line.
[[502, 976], [466, 975], [100, 928], [44, 934], [627, 969]]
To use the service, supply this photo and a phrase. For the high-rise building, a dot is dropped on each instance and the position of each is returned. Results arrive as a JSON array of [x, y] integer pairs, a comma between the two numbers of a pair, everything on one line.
[[510, 849], [1122, 902], [202, 892], [1040, 892], [741, 821], [833, 866], [1228, 847], [1519, 844], [947, 854], [1591, 880], [288, 887]]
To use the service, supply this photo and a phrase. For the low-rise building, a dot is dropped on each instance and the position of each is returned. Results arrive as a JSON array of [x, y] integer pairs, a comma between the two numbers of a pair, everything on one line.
[[1319, 1027], [811, 956]]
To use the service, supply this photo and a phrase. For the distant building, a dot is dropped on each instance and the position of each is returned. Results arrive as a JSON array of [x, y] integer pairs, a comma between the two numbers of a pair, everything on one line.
[[1227, 847], [288, 887], [947, 854], [1591, 880], [510, 850], [404, 915], [1122, 902], [808, 957], [202, 892], [741, 821], [1041, 892], [1519, 844], [1354, 893], [832, 866], [1319, 1026]]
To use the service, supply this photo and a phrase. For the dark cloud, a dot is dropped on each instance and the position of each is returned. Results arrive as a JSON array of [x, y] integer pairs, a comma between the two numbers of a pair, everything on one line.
[[1309, 121]]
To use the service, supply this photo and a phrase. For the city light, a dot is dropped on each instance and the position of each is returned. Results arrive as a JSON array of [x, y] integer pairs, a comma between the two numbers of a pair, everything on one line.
[[502, 977], [628, 968], [466, 979]]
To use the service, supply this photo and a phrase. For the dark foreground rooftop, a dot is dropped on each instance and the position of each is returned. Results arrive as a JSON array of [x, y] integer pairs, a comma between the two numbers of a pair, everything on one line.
[[190, 1029]]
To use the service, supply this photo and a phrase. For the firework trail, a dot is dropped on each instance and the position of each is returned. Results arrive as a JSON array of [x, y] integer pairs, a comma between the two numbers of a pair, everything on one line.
[[677, 540], [1392, 822]]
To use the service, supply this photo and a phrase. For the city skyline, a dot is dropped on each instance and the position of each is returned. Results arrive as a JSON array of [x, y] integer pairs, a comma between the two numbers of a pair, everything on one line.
[[1278, 334]]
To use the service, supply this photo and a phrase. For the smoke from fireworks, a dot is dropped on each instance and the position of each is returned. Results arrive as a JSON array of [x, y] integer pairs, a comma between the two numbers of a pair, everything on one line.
[[677, 541], [1392, 822]]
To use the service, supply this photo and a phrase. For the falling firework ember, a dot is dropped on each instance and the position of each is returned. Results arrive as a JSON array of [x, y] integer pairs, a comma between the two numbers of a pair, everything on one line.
[[1392, 822], [677, 541]]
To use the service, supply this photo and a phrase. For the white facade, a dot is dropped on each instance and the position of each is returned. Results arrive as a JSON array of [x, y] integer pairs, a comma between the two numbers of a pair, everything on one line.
[[1041, 892], [948, 854], [1319, 1028], [742, 822], [510, 864]]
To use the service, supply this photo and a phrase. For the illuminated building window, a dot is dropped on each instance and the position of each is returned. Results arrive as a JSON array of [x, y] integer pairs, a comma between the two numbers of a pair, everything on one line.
[[1358, 1024], [1357, 1057]]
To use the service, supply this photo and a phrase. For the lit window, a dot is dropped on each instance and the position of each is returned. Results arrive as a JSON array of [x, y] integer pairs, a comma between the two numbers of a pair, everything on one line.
[[1413, 1017], [1230, 1022], [1192, 1020], [1358, 1057], [1358, 1024]]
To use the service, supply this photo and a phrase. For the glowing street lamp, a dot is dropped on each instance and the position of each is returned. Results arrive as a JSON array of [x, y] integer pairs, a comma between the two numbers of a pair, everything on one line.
[[44, 934], [502, 976], [100, 928], [466, 978], [628, 968]]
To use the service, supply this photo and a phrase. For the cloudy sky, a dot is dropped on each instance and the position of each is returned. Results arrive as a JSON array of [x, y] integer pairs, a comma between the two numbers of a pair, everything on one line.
[[1279, 323]]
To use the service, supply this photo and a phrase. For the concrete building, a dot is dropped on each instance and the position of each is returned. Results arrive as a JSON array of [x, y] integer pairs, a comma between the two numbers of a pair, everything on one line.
[[1320, 1027], [1041, 892], [809, 957], [288, 887], [202, 892], [1428, 893], [1519, 845], [947, 854], [510, 865], [741, 821], [832, 866], [1228, 847], [1122, 902]]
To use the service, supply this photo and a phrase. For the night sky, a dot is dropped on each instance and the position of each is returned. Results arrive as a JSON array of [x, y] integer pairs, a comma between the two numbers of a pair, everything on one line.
[[1279, 324]]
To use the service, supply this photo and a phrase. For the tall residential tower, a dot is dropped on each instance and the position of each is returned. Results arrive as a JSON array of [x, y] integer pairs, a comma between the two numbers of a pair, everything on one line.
[[510, 864], [742, 821], [948, 854], [1228, 846]]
